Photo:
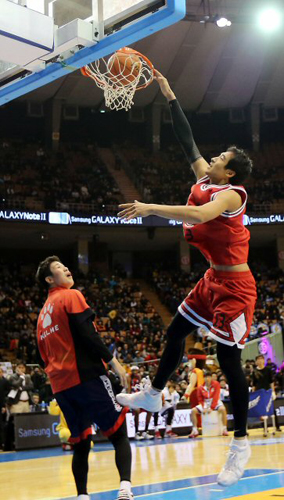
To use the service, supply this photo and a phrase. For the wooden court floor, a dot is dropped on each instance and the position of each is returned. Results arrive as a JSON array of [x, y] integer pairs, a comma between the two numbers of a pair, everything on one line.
[[176, 469]]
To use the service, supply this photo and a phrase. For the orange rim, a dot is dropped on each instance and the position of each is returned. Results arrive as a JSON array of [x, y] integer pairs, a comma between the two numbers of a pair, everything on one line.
[[83, 71], [87, 72]]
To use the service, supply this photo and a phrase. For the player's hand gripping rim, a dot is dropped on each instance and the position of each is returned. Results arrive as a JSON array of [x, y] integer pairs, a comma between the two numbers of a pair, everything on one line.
[[164, 85], [135, 209]]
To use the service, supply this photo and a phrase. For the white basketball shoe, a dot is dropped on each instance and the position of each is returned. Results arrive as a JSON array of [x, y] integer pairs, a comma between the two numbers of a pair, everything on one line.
[[125, 495], [238, 457], [148, 399]]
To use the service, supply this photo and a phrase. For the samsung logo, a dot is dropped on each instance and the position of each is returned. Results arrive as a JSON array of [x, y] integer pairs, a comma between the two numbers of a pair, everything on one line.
[[269, 219], [26, 433], [15, 215]]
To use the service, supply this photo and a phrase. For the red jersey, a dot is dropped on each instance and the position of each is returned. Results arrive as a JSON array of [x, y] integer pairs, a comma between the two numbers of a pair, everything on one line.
[[224, 240], [209, 397], [68, 342]]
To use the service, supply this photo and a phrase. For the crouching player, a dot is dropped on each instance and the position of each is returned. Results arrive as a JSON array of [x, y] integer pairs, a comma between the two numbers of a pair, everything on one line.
[[73, 354]]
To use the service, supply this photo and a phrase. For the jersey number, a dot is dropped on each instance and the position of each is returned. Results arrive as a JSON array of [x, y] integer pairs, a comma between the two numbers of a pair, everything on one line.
[[188, 235], [220, 323]]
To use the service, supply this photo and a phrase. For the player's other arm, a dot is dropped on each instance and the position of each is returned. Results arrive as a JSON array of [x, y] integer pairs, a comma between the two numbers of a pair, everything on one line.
[[40, 358], [182, 129], [81, 316], [91, 338]]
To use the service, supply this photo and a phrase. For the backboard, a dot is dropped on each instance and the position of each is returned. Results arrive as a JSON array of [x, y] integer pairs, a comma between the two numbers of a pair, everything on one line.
[[42, 40]]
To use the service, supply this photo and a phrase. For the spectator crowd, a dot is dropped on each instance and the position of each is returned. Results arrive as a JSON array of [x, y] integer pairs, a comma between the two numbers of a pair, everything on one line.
[[74, 178], [166, 177]]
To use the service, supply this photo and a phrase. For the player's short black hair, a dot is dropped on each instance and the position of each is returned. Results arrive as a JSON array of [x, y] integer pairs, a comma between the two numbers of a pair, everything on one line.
[[43, 269], [241, 164], [208, 373]]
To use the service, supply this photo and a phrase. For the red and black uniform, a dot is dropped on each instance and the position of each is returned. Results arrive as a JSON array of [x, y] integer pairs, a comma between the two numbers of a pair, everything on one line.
[[223, 302], [73, 354]]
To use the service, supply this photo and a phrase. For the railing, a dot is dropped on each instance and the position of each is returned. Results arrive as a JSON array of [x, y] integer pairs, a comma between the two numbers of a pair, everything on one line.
[[79, 208], [90, 208], [266, 208]]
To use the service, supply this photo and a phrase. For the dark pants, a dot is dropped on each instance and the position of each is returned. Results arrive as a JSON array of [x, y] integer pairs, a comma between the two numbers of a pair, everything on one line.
[[229, 358], [169, 414], [80, 466], [2, 429]]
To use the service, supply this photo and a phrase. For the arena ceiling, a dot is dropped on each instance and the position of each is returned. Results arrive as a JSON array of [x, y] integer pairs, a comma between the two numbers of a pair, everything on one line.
[[209, 68]]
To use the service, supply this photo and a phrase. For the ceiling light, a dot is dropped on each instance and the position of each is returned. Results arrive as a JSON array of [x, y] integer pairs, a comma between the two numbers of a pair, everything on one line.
[[269, 20], [223, 22]]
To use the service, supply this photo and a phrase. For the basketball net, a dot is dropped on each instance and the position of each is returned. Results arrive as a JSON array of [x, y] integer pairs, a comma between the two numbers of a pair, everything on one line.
[[119, 90]]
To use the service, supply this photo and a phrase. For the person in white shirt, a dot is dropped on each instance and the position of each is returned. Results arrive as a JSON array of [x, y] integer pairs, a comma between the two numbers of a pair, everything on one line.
[[170, 400], [224, 392]]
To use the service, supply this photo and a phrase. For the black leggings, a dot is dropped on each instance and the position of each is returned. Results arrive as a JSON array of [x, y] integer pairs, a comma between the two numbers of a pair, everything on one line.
[[122, 448], [169, 413], [230, 363], [80, 466], [123, 455], [172, 356]]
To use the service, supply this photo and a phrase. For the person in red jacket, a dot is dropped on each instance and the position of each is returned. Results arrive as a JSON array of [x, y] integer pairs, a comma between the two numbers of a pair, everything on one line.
[[208, 400], [75, 360]]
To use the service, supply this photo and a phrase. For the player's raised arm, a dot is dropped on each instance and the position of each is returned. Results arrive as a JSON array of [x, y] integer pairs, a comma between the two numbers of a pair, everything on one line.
[[182, 129]]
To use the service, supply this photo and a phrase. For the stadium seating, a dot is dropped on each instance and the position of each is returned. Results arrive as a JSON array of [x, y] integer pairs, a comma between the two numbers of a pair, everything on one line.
[[76, 179]]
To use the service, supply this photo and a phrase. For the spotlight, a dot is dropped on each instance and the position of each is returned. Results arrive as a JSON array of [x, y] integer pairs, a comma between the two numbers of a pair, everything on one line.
[[223, 22], [269, 20]]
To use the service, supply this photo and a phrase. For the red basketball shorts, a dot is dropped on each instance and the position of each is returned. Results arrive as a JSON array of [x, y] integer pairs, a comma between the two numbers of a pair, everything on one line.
[[222, 302]]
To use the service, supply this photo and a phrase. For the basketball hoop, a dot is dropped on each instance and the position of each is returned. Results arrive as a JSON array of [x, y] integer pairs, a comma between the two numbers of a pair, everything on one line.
[[120, 76]]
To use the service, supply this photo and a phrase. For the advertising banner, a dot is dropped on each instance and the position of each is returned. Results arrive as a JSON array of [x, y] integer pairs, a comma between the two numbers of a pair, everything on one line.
[[181, 420], [66, 218], [260, 404], [35, 430]]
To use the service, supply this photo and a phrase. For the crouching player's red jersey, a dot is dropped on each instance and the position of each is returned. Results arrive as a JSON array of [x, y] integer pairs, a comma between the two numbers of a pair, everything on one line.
[[71, 355]]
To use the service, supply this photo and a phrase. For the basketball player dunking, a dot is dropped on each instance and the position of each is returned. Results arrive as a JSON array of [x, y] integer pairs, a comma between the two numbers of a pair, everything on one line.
[[224, 299]]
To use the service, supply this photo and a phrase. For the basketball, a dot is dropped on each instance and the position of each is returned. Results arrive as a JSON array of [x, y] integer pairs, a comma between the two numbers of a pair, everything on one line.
[[124, 67]]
